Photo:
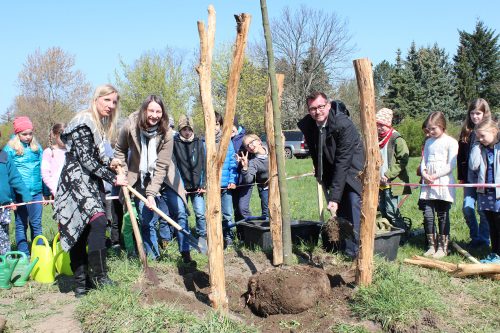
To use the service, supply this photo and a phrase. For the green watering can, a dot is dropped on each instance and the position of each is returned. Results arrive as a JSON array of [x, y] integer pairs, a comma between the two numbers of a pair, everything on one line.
[[23, 268], [6, 272], [61, 258]]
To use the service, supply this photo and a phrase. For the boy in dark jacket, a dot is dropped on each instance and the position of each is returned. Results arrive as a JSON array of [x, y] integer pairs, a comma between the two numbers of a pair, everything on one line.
[[189, 154]]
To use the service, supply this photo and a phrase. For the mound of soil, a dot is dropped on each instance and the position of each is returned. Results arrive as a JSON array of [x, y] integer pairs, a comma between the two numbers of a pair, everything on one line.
[[286, 290]]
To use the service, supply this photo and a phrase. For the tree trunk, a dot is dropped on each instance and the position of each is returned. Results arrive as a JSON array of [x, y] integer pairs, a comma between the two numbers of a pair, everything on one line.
[[216, 155], [371, 173], [274, 193], [285, 209]]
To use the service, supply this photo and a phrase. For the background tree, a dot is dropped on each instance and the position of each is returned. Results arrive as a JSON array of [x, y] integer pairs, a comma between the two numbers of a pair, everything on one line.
[[250, 102], [159, 73], [477, 66], [311, 47], [381, 78], [51, 90]]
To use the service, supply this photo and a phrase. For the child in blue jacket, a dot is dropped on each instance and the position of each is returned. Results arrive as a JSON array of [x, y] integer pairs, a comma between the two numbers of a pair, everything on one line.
[[228, 182], [10, 183], [26, 154]]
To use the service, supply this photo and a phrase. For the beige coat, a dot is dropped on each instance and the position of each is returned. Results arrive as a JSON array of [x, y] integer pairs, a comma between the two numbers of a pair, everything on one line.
[[128, 149]]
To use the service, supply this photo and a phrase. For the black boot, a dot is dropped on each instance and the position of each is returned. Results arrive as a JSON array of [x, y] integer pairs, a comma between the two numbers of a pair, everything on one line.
[[98, 269], [80, 277], [186, 257]]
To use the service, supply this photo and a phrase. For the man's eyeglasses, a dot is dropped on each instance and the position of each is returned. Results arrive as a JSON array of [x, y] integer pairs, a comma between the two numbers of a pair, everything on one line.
[[252, 143], [319, 107]]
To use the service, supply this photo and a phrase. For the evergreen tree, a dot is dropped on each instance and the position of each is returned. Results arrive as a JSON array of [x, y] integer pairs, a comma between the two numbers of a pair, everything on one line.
[[477, 66]]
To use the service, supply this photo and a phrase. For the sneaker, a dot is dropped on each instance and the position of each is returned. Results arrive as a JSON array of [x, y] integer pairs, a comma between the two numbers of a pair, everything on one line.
[[228, 242], [492, 258]]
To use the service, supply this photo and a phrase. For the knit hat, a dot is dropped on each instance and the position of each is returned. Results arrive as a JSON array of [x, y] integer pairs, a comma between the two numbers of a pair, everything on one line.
[[384, 117], [185, 121], [235, 122], [22, 124]]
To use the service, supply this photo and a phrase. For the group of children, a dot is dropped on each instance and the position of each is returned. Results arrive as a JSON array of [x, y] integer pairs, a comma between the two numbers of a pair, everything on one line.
[[476, 154]]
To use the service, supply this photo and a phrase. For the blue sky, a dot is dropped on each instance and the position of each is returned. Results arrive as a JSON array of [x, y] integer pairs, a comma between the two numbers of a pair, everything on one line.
[[98, 33]]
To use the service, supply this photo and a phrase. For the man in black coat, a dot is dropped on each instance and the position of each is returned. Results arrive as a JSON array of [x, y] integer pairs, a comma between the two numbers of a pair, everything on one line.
[[338, 157]]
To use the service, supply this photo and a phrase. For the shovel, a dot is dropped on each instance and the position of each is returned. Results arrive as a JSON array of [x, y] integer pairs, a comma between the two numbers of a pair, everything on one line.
[[199, 244], [148, 272]]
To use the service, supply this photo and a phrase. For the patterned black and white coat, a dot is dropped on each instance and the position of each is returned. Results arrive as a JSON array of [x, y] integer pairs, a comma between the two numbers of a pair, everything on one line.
[[80, 191]]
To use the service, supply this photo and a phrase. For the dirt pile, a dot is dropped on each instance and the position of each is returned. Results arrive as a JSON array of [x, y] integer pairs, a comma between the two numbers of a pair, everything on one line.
[[286, 290]]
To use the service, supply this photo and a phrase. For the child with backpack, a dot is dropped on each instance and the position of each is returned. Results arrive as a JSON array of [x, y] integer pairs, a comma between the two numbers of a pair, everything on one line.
[[26, 154], [479, 233], [395, 155], [439, 160], [484, 158]]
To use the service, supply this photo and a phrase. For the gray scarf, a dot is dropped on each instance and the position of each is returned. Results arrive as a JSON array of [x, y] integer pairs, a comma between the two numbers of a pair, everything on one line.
[[148, 154]]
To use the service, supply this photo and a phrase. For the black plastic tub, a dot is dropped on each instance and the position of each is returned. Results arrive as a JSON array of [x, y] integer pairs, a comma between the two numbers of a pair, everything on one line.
[[387, 243], [258, 233]]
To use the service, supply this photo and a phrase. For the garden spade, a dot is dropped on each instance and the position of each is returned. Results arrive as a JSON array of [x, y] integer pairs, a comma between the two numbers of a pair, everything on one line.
[[199, 244], [148, 272]]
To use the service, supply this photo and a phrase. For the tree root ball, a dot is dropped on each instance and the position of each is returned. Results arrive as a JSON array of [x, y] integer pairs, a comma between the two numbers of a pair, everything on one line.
[[286, 290]]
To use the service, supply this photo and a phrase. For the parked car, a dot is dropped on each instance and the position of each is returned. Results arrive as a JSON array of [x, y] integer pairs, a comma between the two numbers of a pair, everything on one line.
[[294, 145]]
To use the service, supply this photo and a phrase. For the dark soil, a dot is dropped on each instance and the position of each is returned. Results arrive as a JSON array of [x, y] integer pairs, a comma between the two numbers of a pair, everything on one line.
[[319, 289]]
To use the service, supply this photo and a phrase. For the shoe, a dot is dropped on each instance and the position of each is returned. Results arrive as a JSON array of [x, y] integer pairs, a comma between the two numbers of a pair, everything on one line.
[[442, 249], [228, 242], [491, 258], [98, 269], [164, 244]]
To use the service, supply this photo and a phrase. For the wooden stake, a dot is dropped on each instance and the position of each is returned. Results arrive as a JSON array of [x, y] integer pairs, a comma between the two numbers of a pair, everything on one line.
[[274, 191], [216, 155], [371, 173]]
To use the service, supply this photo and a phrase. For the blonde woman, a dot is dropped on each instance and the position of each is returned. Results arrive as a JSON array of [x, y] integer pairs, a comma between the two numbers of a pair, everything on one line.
[[79, 201], [26, 153]]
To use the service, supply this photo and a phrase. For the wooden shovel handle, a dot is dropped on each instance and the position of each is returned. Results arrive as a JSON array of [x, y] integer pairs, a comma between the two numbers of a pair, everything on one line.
[[133, 220]]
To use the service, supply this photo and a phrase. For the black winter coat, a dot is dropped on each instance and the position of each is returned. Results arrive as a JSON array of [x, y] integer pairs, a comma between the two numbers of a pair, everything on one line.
[[190, 161], [343, 153]]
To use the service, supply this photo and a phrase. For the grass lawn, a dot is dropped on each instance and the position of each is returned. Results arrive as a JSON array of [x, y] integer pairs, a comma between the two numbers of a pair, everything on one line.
[[399, 297]]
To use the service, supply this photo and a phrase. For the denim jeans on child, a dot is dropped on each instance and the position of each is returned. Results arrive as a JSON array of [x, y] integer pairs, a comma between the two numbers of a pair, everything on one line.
[[199, 212], [33, 214], [227, 213], [478, 233]]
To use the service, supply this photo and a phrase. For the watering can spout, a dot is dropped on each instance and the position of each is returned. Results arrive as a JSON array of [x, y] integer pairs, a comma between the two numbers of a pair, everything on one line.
[[27, 271]]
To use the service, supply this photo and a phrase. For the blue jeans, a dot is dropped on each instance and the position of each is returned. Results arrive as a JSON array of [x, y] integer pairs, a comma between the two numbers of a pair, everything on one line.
[[148, 219], [227, 212], [199, 212], [244, 204], [32, 214], [164, 228], [178, 214], [478, 233]]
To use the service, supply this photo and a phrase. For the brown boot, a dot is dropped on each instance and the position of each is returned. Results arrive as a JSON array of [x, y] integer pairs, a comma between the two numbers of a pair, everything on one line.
[[431, 242], [442, 250]]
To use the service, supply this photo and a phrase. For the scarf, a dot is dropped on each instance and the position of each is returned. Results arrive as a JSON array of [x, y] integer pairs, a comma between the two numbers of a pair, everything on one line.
[[190, 139], [384, 138], [148, 154]]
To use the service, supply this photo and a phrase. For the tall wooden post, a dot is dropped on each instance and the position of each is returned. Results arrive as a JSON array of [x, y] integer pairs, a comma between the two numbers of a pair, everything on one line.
[[280, 158], [274, 191], [371, 173], [216, 156]]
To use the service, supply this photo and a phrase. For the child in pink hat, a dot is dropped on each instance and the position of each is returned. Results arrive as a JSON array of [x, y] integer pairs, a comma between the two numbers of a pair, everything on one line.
[[395, 155]]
